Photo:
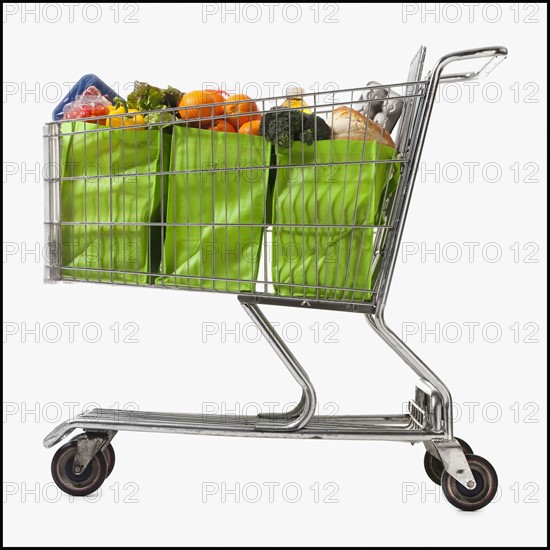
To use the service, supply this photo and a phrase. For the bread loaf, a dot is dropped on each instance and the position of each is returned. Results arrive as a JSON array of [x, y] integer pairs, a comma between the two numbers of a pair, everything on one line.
[[348, 123]]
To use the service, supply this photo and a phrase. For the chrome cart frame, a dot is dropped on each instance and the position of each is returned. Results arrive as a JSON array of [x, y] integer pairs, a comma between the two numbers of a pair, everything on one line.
[[429, 418]]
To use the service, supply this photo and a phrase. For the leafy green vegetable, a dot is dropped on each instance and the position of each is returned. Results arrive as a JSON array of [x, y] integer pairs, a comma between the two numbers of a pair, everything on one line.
[[162, 116], [172, 96], [145, 97], [282, 126]]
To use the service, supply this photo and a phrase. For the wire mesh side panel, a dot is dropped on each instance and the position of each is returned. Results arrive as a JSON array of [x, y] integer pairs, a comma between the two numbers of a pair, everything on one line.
[[241, 196], [217, 204], [111, 186], [330, 230]]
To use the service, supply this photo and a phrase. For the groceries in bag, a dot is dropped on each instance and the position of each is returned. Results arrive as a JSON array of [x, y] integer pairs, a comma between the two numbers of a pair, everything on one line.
[[200, 106], [146, 97], [348, 123], [80, 87], [295, 100], [89, 104], [243, 112], [382, 105], [283, 126]]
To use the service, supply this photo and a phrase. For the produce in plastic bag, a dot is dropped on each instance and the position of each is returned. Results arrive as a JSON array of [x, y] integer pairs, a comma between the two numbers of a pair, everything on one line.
[[78, 89], [90, 103]]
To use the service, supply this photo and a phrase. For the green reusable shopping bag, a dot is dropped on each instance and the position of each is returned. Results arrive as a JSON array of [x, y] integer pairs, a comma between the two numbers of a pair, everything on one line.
[[327, 261], [216, 210], [100, 191]]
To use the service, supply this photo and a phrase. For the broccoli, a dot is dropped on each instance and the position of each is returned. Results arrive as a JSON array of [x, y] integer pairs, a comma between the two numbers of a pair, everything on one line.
[[282, 126], [315, 128]]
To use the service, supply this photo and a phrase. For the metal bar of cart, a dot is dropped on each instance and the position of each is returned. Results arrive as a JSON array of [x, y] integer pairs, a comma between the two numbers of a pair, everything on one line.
[[387, 428], [307, 303], [377, 321], [302, 414]]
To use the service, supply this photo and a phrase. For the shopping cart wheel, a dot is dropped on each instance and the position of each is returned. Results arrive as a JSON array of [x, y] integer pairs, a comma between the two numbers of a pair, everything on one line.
[[77, 485], [109, 454], [434, 467], [472, 499]]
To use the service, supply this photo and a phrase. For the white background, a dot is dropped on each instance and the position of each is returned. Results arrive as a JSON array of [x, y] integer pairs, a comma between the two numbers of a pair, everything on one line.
[[155, 494]]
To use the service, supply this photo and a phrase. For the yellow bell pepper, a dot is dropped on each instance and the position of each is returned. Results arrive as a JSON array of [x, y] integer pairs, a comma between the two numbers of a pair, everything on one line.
[[124, 120]]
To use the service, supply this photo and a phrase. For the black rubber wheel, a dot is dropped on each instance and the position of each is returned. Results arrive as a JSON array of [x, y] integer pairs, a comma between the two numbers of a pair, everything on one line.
[[109, 454], [484, 492], [77, 485], [434, 467]]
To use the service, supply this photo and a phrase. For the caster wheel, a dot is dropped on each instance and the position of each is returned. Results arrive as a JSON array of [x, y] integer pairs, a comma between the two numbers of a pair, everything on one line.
[[474, 499], [434, 467], [109, 454], [77, 485]]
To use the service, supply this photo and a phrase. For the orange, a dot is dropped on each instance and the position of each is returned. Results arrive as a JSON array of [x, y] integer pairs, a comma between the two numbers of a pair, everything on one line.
[[199, 99], [221, 126], [252, 127], [237, 108]]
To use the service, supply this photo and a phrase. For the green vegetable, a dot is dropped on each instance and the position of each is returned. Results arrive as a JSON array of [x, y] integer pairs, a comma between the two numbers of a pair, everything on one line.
[[162, 116], [315, 128], [145, 97], [172, 96], [282, 126], [118, 102]]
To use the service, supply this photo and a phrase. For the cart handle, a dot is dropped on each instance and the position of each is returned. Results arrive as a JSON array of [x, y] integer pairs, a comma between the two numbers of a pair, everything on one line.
[[496, 54]]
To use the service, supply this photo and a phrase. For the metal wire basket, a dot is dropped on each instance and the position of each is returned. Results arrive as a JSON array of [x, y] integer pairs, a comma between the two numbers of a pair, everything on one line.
[[174, 205]]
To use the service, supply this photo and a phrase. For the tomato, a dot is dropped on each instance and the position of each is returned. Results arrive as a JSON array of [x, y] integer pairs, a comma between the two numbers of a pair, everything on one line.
[[87, 108], [100, 110], [70, 115], [85, 111]]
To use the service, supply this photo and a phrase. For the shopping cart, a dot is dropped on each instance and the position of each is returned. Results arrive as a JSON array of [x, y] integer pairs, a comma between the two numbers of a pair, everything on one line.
[[173, 204]]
